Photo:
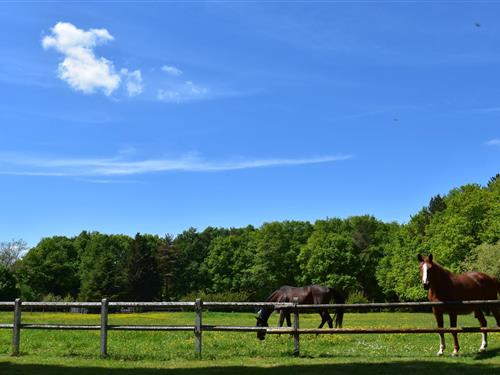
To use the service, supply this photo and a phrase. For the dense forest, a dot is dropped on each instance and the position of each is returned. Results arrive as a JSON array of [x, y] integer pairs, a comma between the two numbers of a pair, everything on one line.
[[368, 259]]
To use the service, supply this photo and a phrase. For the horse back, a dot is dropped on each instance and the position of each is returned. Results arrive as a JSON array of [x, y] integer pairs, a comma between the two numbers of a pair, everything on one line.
[[288, 293], [469, 286]]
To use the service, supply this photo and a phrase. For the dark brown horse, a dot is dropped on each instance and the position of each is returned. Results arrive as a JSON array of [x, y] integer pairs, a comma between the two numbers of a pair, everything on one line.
[[444, 285], [306, 295]]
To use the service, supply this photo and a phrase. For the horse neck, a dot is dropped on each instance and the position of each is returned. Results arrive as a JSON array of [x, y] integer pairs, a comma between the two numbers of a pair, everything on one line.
[[440, 283], [266, 311], [337, 296]]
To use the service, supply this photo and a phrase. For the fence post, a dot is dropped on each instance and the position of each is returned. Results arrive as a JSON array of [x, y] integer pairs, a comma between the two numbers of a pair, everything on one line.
[[104, 327], [16, 328], [198, 307], [296, 336]]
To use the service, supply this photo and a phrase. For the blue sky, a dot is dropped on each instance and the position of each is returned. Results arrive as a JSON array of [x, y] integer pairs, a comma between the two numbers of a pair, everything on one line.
[[128, 117]]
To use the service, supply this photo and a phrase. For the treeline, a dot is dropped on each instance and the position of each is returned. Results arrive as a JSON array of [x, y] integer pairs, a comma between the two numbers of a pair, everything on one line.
[[368, 259]]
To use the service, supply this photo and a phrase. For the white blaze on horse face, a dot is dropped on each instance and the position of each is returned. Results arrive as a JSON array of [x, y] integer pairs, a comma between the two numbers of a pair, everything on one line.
[[259, 313], [424, 273]]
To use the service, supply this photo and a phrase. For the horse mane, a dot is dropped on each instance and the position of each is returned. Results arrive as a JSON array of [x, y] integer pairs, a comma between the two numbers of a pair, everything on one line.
[[271, 297], [442, 269]]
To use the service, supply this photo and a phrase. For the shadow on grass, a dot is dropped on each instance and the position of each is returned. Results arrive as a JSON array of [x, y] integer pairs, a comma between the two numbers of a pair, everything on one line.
[[487, 354], [411, 367]]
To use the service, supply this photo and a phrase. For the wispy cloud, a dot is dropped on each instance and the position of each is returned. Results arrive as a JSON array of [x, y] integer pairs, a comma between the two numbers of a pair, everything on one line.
[[183, 92], [81, 68], [171, 70], [16, 164], [493, 142]]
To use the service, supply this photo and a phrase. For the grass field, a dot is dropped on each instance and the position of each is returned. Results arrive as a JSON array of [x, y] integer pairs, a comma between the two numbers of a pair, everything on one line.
[[151, 353]]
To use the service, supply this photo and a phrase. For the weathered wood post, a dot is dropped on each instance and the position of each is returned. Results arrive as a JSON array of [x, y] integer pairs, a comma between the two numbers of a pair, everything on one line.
[[296, 336], [16, 328], [104, 328], [198, 307]]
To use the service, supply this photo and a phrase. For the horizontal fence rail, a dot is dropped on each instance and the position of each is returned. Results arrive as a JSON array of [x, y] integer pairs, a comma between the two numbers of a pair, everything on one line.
[[198, 306]]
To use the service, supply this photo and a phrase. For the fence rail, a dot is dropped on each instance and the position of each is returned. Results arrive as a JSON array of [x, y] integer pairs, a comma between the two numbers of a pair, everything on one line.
[[198, 306]]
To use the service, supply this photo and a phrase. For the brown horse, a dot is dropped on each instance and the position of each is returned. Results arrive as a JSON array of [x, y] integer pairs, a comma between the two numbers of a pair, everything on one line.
[[306, 295], [443, 285]]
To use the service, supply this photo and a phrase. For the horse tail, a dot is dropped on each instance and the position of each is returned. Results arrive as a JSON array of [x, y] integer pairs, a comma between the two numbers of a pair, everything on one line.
[[339, 298]]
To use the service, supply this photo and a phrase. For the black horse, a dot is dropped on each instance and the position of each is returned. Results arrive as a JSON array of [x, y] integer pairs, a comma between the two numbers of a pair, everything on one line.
[[306, 295]]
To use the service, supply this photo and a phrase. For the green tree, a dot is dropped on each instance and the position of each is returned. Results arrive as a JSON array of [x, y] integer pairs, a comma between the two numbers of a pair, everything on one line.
[[190, 248], [8, 289], [144, 278], [229, 262], [276, 246], [50, 267], [465, 223], [437, 204], [328, 257], [485, 258], [166, 267], [103, 267], [369, 237]]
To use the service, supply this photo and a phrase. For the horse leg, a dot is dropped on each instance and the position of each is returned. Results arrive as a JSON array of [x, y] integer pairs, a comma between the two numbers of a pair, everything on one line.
[[288, 320], [282, 318], [453, 324], [482, 323], [440, 323], [329, 319], [323, 319], [496, 313]]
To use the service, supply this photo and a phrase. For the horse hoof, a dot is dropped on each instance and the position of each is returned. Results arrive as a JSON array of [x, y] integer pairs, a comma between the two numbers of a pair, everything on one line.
[[455, 354], [440, 353], [482, 350]]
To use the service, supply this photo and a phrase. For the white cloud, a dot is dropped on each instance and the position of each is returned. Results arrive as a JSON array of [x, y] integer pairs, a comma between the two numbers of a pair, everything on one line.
[[133, 81], [15, 164], [493, 142], [182, 92], [171, 70], [81, 68]]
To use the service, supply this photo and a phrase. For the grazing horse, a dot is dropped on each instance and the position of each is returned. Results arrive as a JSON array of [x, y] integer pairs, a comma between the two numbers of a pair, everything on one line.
[[310, 295], [443, 285]]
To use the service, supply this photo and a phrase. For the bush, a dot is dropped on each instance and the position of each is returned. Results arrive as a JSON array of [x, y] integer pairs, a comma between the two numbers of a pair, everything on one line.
[[357, 297], [217, 297], [53, 298]]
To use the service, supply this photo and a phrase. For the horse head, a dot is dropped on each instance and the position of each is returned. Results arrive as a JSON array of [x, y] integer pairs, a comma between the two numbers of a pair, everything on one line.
[[426, 265], [261, 322]]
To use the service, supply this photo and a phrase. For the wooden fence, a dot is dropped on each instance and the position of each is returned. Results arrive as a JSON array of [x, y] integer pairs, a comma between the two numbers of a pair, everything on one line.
[[198, 328]]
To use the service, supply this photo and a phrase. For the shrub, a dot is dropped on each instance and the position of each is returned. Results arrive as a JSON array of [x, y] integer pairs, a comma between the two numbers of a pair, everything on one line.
[[356, 297], [217, 297]]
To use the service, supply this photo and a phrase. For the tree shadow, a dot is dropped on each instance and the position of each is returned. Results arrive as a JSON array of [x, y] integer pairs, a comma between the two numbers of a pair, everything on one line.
[[410, 367]]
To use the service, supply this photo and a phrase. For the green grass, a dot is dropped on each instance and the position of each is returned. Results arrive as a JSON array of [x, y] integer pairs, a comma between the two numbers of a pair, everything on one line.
[[151, 353]]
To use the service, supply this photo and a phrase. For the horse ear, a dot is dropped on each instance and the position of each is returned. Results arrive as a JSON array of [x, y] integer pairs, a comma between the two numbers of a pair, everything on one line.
[[419, 257], [430, 257]]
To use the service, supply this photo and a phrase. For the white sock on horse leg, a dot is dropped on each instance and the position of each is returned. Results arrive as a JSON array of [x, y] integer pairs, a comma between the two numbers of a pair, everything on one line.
[[484, 342]]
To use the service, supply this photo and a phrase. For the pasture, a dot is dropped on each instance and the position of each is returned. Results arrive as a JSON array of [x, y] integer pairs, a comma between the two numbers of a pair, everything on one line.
[[150, 353]]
